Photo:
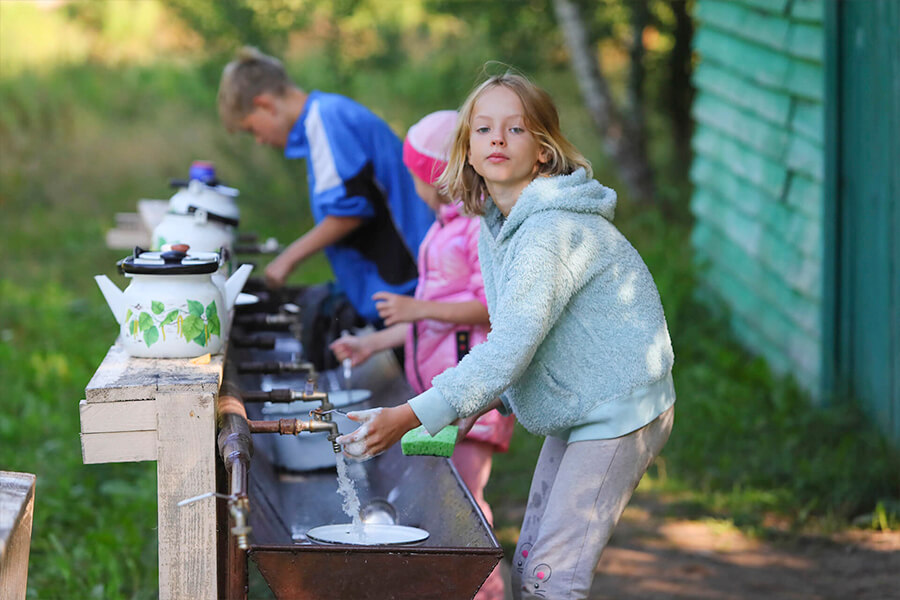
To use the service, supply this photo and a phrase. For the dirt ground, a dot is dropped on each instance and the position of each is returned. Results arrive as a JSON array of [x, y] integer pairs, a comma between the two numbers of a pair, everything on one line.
[[652, 557], [655, 557]]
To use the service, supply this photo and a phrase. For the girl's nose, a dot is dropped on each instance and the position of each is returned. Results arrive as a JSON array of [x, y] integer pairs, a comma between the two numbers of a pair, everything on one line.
[[498, 141]]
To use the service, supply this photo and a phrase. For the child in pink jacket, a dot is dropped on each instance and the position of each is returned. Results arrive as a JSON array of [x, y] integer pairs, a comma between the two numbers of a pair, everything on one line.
[[448, 314]]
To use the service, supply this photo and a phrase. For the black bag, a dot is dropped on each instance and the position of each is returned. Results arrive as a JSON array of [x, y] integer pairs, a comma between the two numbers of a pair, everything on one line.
[[326, 313]]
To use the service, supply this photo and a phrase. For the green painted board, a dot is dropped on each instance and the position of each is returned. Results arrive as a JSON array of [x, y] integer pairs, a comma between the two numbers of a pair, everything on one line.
[[864, 201], [743, 126], [806, 195], [767, 29], [808, 10], [741, 160], [764, 66], [772, 105], [809, 120], [806, 157], [777, 7], [806, 79], [806, 41]]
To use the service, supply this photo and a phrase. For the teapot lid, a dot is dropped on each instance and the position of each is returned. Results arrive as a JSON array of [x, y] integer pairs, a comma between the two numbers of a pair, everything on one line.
[[218, 201], [175, 261]]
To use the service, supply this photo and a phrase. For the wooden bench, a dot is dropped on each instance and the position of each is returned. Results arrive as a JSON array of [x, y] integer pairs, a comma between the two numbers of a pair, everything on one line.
[[138, 409], [16, 512]]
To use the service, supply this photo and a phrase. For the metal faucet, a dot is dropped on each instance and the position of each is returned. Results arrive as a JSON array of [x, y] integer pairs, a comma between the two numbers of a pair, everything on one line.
[[239, 507], [320, 418]]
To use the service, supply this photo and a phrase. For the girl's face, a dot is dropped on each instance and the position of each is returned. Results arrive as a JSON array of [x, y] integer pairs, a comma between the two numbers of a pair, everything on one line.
[[501, 149], [428, 193]]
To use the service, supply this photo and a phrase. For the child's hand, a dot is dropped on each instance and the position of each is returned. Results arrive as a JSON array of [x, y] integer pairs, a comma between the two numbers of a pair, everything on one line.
[[465, 425], [277, 272], [396, 308], [352, 347], [381, 429]]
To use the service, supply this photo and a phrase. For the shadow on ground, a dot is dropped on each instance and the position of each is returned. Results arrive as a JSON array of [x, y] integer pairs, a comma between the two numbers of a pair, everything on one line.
[[652, 557]]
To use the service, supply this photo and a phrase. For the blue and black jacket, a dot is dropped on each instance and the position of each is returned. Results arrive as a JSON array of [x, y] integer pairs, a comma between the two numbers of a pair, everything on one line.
[[355, 169]]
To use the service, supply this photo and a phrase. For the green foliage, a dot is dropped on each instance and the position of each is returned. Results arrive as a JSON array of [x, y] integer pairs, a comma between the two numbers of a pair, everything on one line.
[[223, 25]]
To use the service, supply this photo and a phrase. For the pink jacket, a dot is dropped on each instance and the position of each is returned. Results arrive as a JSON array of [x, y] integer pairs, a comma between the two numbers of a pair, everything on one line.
[[449, 272]]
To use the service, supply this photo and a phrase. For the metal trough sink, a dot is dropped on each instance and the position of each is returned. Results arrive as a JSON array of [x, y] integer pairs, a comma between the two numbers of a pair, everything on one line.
[[426, 492]]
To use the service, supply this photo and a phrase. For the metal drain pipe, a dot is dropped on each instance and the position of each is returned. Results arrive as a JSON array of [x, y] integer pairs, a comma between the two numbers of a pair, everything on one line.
[[235, 448]]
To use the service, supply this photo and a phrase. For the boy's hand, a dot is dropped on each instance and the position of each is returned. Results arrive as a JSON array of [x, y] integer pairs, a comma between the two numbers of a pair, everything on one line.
[[277, 271], [397, 308], [352, 347], [381, 429]]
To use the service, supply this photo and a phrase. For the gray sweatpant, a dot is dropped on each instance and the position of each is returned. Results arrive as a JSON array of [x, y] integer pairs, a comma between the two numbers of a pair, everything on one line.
[[577, 495]]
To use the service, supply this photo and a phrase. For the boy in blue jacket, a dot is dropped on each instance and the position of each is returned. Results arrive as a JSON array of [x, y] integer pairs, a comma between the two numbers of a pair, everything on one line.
[[368, 218]]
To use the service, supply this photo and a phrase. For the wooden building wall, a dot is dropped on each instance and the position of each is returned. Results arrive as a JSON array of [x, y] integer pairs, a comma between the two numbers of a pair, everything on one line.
[[758, 174]]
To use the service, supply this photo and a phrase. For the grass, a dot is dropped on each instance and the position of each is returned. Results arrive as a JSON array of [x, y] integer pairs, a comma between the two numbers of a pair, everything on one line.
[[81, 143]]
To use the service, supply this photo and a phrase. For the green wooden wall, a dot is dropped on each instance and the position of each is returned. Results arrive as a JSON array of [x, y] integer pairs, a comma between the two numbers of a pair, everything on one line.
[[861, 356], [758, 174]]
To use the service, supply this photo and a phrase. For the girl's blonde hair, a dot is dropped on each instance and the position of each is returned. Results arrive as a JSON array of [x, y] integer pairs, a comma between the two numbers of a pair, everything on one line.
[[250, 74], [460, 180]]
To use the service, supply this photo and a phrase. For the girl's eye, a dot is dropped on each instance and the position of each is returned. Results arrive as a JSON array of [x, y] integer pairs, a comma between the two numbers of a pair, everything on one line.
[[517, 129], [482, 129]]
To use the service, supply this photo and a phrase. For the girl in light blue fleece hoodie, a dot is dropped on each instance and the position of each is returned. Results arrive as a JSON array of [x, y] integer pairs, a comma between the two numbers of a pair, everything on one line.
[[578, 350]]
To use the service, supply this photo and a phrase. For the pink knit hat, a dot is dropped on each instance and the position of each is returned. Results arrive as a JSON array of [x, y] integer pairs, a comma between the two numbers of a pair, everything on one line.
[[427, 145]]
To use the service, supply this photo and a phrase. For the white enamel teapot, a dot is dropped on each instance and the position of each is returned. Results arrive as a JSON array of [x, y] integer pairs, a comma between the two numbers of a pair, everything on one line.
[[174, 306], [202, 216]]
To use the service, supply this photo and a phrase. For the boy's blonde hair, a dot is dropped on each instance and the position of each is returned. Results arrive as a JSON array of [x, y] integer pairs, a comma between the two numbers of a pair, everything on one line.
[[460, 180], [250, 74]]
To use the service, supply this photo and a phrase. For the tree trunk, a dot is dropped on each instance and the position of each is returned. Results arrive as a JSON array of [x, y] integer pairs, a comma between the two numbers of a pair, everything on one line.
[[622, 143], [680, 91]]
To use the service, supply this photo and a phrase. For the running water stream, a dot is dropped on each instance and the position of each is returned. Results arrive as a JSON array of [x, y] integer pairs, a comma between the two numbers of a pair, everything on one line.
[[347, 489]]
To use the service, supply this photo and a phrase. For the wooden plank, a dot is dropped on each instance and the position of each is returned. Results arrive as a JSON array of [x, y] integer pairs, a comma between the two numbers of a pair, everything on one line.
[[126, 239], [743, 126], [122, 446], [772, 6], [766, 29], [808, 10], [744, 162], [770, 104], [108, 417], [16, 516], [868, 312], [152, 212], [186, 468], [807, 41], [122, 377]]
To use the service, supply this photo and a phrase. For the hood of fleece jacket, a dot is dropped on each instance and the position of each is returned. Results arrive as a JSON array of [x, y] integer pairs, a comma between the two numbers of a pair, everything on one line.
[[574, 192]]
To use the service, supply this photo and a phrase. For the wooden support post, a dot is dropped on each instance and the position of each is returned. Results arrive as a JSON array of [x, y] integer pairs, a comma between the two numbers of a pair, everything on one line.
[[186, 467], [164, 410], [16, 512]]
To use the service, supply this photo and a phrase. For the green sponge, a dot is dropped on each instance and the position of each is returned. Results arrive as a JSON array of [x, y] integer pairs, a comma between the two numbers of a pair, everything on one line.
[[418, 442]]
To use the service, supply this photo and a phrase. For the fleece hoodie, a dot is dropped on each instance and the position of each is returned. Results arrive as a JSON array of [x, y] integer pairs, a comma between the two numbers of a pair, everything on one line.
[[579, 347]]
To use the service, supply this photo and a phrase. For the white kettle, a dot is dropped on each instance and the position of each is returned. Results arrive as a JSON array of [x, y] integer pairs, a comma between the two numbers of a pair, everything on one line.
[[172, 308], [203, 216]]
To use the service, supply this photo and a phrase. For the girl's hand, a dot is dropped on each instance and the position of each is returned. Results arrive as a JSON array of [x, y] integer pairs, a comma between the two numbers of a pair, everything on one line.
[[381, 428], [397, 308], [352, 347], [465, 425]]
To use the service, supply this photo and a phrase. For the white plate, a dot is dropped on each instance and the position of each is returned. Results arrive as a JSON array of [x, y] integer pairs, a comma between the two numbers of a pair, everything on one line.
[[341, 398], [244, 299], [375, 534]]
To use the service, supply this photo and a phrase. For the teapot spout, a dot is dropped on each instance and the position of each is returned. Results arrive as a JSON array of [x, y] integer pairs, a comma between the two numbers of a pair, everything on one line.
[[235, 284], [115, 298]]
